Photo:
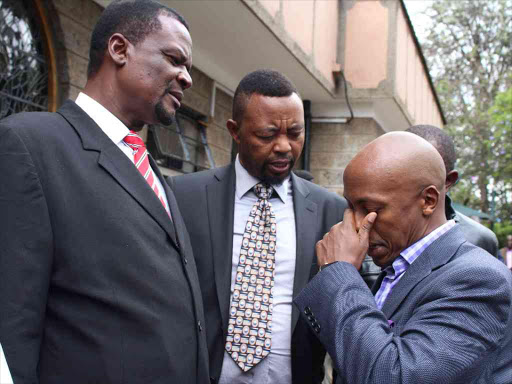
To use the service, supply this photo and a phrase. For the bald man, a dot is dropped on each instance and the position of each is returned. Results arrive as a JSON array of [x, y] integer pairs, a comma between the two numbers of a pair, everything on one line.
[[439, 314]]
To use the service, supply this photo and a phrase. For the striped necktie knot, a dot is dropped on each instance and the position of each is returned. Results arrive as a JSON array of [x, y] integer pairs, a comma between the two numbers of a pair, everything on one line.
[[134, 141]]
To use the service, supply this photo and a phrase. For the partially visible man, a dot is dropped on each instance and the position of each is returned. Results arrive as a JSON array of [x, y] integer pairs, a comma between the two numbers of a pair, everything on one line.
[[303, 174], [474, 232], [506, 252], [254, 225], [98, 283], [440, 314]]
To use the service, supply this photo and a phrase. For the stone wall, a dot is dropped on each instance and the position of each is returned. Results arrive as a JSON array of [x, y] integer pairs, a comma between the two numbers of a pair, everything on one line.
[[199, 98], [77, 19], [334, 145]]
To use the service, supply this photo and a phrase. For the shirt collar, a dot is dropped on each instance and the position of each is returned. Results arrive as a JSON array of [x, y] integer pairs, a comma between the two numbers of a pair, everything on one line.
[[245, 182], [109, 124], [411, 253]]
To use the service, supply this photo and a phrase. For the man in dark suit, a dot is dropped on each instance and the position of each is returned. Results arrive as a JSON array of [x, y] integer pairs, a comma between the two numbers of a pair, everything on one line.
[[218, 207], [474, 232], [442, 310], [98, 283]]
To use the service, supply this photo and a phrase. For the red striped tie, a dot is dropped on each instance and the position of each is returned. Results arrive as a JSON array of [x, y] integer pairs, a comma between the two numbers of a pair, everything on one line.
[[140, 158]]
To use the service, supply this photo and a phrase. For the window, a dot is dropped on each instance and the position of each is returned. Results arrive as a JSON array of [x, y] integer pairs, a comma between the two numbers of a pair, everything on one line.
[[23, 64], [181, 146]]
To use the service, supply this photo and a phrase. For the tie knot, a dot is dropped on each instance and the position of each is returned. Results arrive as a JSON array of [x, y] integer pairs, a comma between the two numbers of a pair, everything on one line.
[[263, 191], [134, 141]]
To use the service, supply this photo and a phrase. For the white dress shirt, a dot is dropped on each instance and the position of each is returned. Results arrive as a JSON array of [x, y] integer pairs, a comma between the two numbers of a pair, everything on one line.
[[5, 375], [276, 367], [115, 130]]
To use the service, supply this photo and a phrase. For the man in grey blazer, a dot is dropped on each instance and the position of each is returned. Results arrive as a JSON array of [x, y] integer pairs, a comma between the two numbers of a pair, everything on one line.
[[440, 314], [268, 127]]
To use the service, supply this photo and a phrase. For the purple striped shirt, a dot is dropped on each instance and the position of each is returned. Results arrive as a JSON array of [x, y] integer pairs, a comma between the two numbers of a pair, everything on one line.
[[396, 270]]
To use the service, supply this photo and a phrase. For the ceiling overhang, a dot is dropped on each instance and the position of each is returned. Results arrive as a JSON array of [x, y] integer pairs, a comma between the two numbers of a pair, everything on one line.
[[231, 41]]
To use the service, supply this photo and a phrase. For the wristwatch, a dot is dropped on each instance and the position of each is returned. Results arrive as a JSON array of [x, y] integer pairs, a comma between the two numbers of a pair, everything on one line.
[[323, 266]]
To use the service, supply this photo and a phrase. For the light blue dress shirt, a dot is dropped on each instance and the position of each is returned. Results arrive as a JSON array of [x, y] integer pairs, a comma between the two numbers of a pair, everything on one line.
[[398, 268]]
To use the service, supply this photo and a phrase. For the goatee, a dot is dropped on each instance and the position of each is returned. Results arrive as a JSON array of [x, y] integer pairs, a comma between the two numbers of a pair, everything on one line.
[[163, 116]]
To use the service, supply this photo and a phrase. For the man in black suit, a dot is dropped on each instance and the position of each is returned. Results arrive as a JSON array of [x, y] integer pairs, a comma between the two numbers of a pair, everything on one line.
[[474, 232], [98, 283], [218, 208]]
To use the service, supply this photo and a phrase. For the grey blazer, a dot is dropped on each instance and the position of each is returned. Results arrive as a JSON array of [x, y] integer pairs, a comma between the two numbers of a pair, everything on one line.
[[206, 200], [448, 320]]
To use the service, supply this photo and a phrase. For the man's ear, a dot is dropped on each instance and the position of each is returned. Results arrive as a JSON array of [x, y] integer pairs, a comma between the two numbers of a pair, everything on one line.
[[451, 179], [430, 196], [234, 130], [117, 49]]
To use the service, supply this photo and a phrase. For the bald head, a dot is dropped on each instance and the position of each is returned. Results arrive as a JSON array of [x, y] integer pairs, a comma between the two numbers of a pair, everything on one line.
[[401, 177], [400, 157]]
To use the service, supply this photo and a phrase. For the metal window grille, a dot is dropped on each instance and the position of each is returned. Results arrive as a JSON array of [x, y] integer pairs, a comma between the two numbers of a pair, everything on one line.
[[181, 146], [23, 67]]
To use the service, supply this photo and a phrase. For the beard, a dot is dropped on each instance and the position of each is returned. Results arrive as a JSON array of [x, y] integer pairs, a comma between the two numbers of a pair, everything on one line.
[[276, 179], [164, 116]]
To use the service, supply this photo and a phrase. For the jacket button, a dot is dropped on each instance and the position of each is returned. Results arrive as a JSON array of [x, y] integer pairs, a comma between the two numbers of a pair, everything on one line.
[[185, 261], [199, 326], [316, 328], [307, 311]]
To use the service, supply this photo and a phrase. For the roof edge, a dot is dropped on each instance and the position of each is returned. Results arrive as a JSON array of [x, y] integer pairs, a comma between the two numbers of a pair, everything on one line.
[[423, 61]]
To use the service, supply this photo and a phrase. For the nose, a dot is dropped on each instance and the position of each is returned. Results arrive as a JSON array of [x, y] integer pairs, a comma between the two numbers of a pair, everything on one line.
[[282, 144], [184, 79]]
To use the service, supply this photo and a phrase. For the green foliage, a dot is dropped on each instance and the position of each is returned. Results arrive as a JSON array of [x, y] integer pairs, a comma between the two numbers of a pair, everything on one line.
[[501, 118], [470, 57], [502, 230]]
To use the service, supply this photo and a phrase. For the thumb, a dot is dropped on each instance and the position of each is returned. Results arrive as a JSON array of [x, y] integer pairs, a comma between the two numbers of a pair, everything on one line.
[[366, 227]]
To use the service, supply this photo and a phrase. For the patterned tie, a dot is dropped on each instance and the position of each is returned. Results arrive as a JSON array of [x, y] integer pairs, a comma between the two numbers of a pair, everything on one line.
[[250, 324], [141, 161]]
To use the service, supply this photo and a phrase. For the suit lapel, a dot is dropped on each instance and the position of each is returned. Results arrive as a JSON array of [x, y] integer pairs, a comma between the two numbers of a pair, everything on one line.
[[117, 164], [176, 227], [436, 255], [378, 282], [220, 196], [305, 227]]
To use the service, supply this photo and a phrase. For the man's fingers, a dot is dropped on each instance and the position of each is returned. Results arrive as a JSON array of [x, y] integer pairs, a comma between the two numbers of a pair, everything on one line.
[[348, 217], [366, 226]]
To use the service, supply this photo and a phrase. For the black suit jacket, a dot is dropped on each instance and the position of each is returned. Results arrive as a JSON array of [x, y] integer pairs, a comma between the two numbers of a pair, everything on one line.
[[207, 202], [96, 284], [473, 231]]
